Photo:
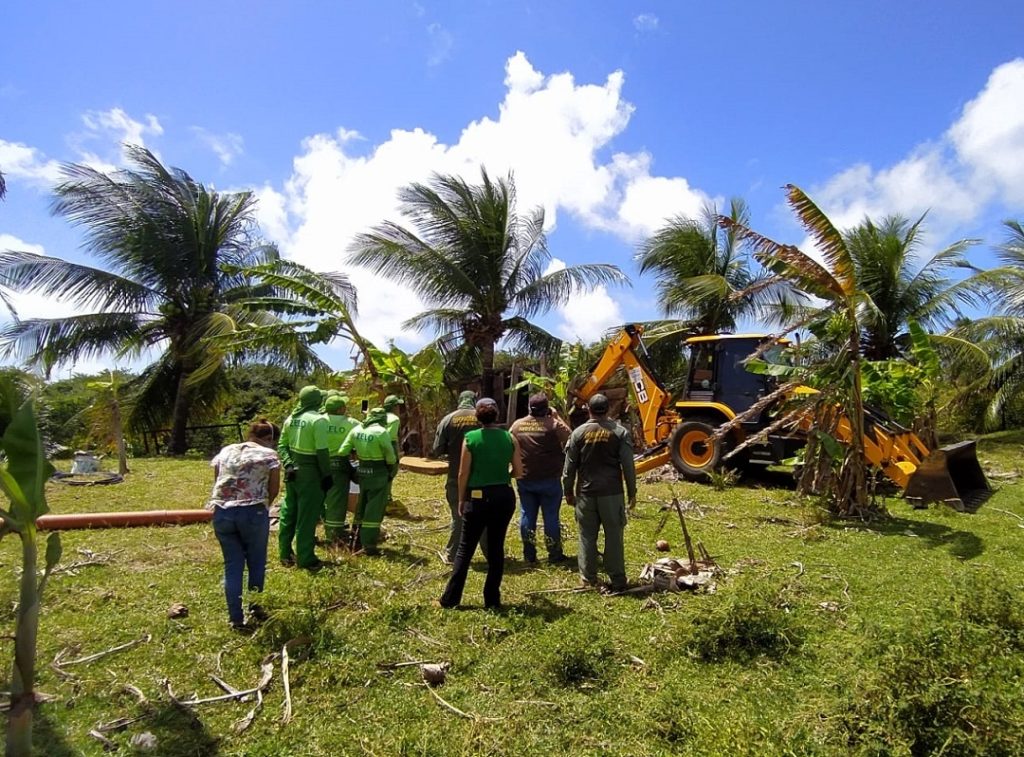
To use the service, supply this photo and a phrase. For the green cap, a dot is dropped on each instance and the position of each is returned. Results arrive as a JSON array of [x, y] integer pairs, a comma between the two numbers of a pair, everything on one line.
[[376, 415], [467, 399], [310, 397], [391, 400], [335, 402]]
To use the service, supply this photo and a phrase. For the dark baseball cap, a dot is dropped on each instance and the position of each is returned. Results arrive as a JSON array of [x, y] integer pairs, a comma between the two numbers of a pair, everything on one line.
[[598, 404], [485, 402], [539, 404]]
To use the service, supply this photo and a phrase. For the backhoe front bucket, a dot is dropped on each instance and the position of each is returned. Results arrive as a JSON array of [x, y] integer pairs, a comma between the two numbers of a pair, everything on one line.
[[949, 474]]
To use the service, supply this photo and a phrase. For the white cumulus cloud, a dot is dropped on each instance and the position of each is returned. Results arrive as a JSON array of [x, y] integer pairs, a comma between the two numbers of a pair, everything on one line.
[[551, 130], [989, 135], [19, 161], [979, 158]]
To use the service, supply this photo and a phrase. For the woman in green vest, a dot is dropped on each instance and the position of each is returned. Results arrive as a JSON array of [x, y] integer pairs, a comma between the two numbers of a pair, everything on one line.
[[486, 501]]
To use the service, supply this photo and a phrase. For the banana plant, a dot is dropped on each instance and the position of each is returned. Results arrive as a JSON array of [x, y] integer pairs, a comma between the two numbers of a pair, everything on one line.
[[107, 406], [830, 276], [23, 476]]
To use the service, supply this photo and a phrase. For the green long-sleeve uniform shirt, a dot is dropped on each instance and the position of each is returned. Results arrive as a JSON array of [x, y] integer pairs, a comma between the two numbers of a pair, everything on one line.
[[305, 440], [377, 465], [370, 443], [599, 456], [338, 428]]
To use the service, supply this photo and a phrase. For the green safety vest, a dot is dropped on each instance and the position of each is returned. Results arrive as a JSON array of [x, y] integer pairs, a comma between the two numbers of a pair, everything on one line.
[[393, 423], [370, 443], [338, 427]]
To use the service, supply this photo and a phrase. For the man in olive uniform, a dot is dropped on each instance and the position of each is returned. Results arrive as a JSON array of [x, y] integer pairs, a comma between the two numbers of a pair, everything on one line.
[[306, 459], [378, 464], [336, 500], [448, 442], [391, 403], [598, 456]]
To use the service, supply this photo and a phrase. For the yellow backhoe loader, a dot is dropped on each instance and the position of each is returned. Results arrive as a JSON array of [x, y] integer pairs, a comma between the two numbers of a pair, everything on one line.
[[719, 388]]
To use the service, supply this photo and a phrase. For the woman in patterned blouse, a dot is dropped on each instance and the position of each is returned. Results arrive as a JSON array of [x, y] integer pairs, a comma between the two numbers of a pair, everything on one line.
[[247, 479]]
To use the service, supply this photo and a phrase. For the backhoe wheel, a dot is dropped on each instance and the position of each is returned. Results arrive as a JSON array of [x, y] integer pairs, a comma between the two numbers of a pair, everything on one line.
[[694, 453]]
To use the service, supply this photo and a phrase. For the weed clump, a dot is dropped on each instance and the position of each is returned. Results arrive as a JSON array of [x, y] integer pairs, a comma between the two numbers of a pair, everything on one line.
[[950, 684], [986, 598], [747, 618], [582, 658]]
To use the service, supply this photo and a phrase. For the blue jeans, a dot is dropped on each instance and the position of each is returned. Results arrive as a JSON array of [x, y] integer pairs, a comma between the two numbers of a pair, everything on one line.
[[242, 533], [542, 496]]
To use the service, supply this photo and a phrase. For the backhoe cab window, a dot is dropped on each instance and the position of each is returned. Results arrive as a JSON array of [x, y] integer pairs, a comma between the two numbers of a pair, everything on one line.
[[702, 373], [778, 355]]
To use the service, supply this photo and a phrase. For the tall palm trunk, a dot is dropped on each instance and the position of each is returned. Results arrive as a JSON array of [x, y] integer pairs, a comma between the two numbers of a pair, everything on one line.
[[487, 364], [179, 417]]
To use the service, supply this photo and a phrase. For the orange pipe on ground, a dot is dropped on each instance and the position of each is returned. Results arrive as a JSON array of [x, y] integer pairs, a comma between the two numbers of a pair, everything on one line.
[[122, 520]]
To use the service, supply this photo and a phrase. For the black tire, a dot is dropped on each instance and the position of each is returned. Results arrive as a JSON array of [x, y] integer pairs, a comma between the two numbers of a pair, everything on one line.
[[693, 454]]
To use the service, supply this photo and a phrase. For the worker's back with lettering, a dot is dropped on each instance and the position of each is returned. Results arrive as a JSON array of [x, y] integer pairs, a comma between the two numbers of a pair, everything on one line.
[[600, 454]]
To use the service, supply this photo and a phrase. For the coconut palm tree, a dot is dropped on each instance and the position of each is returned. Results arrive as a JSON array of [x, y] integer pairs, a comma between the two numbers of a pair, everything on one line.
[[480, 266], [838, 375], [887, 270], [177, 253], [1001, 335], [705, 273]]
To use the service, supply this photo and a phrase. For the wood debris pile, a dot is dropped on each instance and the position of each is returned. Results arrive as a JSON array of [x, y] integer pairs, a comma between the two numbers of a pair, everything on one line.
[[696, 572], [674, 574]]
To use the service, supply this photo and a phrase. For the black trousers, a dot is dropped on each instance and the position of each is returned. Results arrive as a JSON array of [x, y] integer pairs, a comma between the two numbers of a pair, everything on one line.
[[491, 513]]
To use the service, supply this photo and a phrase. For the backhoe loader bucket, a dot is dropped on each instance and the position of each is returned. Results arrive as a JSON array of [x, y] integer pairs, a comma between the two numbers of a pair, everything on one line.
[[949, 474]]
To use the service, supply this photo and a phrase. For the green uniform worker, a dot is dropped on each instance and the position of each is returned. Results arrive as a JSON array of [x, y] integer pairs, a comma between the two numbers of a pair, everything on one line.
[[598, 456], [336, 500], [324, 396], [448, 442], [304, 453], [377, 465], [391, 402]]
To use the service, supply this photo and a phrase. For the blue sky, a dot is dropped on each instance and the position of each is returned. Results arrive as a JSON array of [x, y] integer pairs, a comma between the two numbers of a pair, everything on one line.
[[613, 116]]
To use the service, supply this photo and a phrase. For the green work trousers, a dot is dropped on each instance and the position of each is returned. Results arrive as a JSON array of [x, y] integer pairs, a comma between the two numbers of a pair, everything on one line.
[[304, 499], [336, 499], [592, 514], [388, 498], [451, 493], [373, 498]]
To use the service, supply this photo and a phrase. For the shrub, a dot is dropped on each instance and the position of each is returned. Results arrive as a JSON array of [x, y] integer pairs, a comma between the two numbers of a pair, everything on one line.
[[745, 619], [583, 657], [949, 685]]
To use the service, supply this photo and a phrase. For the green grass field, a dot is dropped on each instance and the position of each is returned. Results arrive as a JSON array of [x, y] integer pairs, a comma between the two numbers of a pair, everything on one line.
[[901, 637]]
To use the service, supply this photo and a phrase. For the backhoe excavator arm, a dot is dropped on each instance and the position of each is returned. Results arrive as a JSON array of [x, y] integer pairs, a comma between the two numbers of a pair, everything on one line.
[[627, 350]]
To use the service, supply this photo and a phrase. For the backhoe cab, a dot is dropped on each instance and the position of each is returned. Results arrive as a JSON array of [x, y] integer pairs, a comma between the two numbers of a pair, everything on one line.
[[719, 388]]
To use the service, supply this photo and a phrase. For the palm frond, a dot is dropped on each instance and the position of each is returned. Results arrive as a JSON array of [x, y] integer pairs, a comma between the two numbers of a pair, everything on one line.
[[791, 263], [87, 287], [527, 338], [826, 237], [48, 341], [558, 286]]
